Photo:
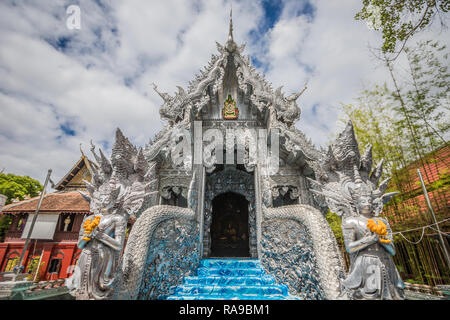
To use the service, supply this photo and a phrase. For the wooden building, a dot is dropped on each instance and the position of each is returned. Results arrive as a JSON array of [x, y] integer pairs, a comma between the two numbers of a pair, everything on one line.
[[54, 239]]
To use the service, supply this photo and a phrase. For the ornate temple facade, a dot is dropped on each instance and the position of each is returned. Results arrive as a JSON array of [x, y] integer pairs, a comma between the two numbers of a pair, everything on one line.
[[230, 176], [227, 177], [230, 101]]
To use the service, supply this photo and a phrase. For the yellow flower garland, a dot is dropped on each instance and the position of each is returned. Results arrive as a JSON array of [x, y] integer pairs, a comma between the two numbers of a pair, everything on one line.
[[89, 226], [379, 228]]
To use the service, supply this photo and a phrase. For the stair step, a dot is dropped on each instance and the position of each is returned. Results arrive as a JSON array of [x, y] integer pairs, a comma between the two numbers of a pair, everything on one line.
[[229, 281], [230, 272], [230, 290], [230, 263]]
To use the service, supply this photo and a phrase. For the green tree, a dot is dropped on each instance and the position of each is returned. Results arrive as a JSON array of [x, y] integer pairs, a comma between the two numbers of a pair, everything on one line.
[[18, 187], [5, 222], [421, 98], [372, 116], [404, 124], [399, 20], [15, 187], [427, 96]]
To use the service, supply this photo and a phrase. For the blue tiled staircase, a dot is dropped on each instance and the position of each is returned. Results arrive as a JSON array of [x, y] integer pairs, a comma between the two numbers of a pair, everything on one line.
[[230, 279]]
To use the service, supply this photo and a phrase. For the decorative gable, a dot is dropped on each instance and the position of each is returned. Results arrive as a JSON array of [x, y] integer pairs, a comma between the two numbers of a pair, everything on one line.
[[73, 180]]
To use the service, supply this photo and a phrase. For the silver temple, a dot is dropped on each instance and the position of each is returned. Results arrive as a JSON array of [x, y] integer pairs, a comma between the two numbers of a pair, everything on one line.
[[185, 211]]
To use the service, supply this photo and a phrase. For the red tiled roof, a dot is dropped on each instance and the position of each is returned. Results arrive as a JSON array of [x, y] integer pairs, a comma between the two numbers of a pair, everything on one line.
[[57, 201]]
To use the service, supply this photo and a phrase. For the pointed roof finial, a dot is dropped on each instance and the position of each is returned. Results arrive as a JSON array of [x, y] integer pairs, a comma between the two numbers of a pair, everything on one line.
[[81, 150], [231, 45], [230, 33]]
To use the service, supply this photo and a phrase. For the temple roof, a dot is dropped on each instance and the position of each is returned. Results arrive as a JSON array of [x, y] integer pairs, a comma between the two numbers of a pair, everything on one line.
[[208, 87], [71, 201], [232, 72], [73, 180]]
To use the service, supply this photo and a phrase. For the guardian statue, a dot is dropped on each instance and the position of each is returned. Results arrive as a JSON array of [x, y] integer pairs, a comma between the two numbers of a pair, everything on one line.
[[119, 190], [350, 189]]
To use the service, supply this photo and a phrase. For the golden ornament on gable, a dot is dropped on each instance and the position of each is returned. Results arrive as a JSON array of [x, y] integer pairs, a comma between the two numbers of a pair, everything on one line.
[[229, 110]]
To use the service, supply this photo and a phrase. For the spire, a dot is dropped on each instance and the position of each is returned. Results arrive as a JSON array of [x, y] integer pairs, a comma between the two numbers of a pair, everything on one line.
[[230, 33], [231, 45]]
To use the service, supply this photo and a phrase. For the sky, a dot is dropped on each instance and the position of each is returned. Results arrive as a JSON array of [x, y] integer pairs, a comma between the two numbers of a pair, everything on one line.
[[62, 87]]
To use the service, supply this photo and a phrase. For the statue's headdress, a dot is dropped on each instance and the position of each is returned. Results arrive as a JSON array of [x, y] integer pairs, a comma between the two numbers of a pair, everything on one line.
[[344, 176], [128, 178]]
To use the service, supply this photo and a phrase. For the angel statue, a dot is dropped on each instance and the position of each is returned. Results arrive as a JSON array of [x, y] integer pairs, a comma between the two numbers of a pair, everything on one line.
[[119, 189], [350, 188]]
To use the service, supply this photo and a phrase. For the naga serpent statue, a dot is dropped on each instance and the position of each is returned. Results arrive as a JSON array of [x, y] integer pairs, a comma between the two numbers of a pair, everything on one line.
[[350, 189]]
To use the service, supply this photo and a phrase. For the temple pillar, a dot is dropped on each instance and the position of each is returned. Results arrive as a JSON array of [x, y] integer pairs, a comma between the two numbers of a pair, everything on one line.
[[201, 207], [46, 254], [305, 195], [67, 260], [258, 206]]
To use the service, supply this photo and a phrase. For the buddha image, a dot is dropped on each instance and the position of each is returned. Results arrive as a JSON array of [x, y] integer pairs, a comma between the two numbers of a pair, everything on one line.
[[230, 233], [230, 111]]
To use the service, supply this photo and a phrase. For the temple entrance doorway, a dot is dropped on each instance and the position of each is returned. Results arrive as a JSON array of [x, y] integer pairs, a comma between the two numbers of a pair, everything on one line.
[[229, 226]]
